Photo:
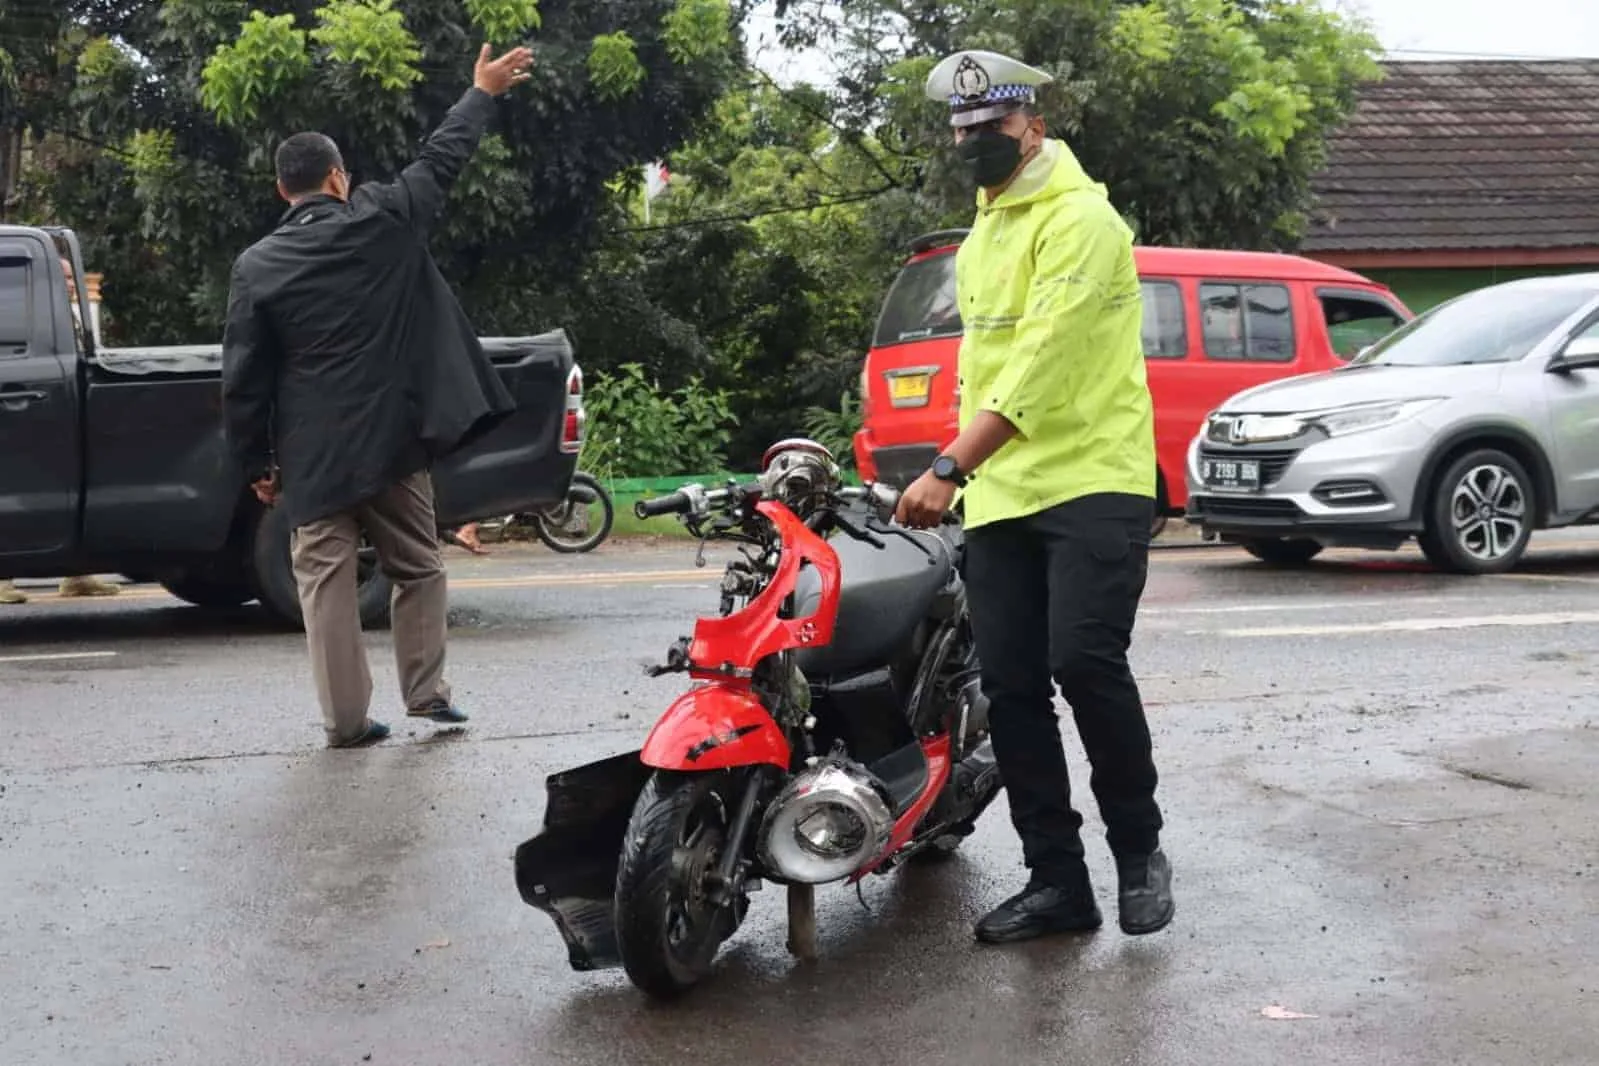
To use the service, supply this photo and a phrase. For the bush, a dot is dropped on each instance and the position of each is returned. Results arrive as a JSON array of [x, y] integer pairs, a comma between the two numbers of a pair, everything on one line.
[[835, 430], [643, 432]]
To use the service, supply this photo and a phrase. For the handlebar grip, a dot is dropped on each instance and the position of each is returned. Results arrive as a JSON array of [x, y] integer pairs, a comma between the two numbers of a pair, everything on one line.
[[671, 503]]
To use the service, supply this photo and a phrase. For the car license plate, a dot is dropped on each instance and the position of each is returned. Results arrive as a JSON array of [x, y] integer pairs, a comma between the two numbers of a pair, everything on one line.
[[1230, 473], [907, 390]]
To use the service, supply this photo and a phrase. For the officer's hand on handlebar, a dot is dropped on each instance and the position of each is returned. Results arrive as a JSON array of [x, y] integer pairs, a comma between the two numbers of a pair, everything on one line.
[[925, 503]]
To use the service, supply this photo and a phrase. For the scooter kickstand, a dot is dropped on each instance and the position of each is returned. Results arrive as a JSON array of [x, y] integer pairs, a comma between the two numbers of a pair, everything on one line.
[[802, 922]]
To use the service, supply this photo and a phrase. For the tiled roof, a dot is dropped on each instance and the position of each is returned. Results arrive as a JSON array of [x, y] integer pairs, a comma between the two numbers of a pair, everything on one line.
[[1469, 155]]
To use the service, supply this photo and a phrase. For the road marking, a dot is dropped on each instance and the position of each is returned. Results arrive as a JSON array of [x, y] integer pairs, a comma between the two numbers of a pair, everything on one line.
[[1297, 605], [584, 579], [56, 656], [1410, 625], [1552, 578]]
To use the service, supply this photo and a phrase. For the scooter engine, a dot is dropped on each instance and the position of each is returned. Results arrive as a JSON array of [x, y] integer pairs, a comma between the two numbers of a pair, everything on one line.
[[828, 822]]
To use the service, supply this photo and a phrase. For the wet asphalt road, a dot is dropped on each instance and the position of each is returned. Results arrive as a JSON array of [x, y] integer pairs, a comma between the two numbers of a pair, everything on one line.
[[1381, 826]]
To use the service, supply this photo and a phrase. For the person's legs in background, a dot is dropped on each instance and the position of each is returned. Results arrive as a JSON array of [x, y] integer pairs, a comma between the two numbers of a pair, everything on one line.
[[400, 521], [324, 554], [87, 585]]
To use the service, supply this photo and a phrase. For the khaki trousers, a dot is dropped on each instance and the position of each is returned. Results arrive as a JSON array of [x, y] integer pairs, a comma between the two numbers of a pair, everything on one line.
[[399, 522]]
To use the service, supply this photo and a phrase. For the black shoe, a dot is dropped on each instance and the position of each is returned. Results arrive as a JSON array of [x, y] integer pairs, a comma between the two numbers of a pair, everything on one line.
[[1145, 896], [438, 711], [1041, 909], [372, 734]]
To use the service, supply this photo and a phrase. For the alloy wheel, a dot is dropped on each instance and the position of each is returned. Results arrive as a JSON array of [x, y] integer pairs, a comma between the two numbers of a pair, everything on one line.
[[1488, 510]]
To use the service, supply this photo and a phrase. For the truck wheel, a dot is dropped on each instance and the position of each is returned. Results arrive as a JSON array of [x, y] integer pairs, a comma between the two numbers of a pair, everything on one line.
[[278, 592], [212, 595], [1283, 551], [1481, 514]]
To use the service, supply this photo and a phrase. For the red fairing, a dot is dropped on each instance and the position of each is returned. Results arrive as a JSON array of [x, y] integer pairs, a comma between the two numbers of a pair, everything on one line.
[[715, 727], [745, 637], [936, 751]]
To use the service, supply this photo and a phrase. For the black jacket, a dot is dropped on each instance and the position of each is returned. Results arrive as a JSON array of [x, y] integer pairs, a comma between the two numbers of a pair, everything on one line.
[[346, 358]]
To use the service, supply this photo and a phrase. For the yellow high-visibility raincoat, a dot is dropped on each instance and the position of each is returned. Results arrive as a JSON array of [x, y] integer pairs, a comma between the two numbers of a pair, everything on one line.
[[1052, 312]]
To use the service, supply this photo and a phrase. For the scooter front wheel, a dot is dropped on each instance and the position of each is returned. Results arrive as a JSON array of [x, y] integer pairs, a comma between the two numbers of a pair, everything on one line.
[[669, 928]]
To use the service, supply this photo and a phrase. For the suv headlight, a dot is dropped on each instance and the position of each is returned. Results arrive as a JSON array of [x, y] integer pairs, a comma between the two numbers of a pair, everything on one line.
[[1357, 418]]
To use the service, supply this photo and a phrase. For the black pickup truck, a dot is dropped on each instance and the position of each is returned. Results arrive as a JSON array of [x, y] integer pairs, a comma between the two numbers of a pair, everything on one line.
[[113, 460]]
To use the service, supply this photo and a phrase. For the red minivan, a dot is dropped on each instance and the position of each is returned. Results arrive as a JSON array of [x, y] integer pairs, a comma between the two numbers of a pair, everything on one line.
[[1215, 323]]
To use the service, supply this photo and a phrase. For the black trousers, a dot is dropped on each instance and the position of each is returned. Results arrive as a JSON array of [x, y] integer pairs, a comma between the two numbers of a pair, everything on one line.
[[1053, 597]]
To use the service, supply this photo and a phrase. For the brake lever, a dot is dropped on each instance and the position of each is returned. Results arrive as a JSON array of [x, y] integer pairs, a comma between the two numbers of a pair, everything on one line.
[[907, 535], [856, 532]]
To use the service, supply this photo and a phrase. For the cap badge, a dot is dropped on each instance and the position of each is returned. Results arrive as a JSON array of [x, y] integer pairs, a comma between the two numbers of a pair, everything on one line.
[[971, 80]]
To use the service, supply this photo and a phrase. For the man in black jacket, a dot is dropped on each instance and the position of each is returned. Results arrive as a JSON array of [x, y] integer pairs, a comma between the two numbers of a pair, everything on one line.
[[348, 367]]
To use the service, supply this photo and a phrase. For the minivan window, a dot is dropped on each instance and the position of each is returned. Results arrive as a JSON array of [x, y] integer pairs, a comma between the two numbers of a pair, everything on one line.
[[1165, 328], [1356, 321], [1498, 325], [14, 318], [1248, 322], [920, 304]]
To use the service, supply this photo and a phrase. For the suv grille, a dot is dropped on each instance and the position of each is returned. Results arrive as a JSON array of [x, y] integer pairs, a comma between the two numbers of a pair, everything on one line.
[[1245, 507], [1273, 461]]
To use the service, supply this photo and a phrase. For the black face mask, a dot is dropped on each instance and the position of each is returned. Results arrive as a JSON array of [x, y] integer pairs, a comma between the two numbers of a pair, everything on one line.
[[991, 156]]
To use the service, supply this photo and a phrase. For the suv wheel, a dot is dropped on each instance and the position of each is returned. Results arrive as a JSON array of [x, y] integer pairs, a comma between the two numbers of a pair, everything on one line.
[[1283, 551], [1481, 514]]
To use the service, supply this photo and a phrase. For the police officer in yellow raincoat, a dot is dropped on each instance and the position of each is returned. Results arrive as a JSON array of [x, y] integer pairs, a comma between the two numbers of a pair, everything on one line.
[[1055, 466]]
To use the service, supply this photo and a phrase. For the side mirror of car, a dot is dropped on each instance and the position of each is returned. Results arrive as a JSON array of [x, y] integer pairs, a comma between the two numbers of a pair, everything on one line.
[[1581, 354]]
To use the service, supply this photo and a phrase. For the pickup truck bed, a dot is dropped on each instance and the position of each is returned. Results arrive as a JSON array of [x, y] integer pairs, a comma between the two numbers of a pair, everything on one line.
[[114, 461]]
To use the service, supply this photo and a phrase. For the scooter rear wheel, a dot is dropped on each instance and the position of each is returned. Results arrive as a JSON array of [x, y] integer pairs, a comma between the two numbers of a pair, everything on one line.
[[668, 929]]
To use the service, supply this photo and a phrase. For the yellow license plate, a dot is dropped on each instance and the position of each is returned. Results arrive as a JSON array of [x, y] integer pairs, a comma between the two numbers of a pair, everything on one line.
[[909, 387]]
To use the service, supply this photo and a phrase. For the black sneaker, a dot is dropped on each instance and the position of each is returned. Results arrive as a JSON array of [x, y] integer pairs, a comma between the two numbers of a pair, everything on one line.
[[1145, 893], [1041, 909]]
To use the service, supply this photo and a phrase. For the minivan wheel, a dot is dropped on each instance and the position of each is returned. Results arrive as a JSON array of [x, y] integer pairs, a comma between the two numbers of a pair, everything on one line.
[[1481, 514], [1157, 524], [1283, 551]]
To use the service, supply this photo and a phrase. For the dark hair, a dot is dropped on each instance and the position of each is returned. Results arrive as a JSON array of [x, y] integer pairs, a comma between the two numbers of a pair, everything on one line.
[[304, 161]]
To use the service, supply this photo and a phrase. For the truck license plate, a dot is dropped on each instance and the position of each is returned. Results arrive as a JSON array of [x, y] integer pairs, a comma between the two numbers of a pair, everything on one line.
[[909, 389], [1230, 473]]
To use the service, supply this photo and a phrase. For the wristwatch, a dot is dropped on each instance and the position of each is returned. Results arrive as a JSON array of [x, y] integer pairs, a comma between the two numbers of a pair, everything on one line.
[[946, 469]]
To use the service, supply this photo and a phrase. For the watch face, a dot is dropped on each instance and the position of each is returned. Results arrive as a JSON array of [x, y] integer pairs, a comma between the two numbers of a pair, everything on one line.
[[944, 467]]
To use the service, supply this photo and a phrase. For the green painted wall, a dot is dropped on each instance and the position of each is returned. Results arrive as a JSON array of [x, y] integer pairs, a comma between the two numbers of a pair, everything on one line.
[[1421, 289]]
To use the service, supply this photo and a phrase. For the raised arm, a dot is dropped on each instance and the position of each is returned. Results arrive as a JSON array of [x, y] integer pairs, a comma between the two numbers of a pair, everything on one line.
[[419, 194]]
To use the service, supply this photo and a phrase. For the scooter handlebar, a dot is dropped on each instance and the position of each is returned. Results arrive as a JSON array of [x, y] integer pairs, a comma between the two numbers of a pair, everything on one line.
[[882, 498], [694, 499], [671, 503]]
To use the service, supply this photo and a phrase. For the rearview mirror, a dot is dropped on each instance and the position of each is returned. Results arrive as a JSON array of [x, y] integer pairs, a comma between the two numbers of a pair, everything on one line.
[[1581, 353]]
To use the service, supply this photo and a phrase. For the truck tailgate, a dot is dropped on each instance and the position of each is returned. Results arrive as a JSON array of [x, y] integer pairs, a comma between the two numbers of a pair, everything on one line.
[[520, 465]]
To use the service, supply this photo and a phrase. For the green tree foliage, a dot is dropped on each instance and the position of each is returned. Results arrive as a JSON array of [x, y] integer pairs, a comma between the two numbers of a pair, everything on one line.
[[755, 279], [187, 100], [1205, 118], [764, 259]]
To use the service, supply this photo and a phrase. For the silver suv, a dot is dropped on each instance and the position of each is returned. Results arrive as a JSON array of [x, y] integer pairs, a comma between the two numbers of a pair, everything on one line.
[[1467, 428]]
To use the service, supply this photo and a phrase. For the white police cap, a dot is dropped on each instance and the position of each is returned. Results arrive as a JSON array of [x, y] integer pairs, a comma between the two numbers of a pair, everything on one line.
[[982, 86]]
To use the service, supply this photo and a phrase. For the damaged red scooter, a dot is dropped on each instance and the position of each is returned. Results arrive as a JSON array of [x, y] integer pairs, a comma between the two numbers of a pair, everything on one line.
[[835, 728]]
